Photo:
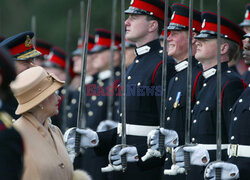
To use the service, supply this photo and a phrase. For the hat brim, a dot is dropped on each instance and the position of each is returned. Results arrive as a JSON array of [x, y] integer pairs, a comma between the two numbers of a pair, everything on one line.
[[22, 108], [245, 23], [247, 35], [176, 28], [133, 10], [77, 52], [98, 48], [205, 36], [29, 55]]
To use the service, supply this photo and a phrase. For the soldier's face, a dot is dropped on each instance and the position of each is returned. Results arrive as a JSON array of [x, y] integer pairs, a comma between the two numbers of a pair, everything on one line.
[[206, 50], [178, 45], [77, 61], [136, 27], [246, 29], [23, 65]]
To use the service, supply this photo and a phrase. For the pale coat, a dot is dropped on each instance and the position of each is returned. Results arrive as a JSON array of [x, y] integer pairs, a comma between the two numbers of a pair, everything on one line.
[[45, 156]]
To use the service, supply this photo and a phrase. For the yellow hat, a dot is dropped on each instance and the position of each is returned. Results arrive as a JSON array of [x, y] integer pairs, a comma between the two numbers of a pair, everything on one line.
[[33, 86]]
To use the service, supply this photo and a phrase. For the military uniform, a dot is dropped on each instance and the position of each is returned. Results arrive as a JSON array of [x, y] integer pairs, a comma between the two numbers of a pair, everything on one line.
[[96, 104], [246, 76], [142, 110], [11, 149], [203, 125], [239, 134]]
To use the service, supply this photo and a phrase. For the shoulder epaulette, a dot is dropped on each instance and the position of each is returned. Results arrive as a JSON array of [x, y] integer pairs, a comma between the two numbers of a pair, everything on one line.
[[6, 119]]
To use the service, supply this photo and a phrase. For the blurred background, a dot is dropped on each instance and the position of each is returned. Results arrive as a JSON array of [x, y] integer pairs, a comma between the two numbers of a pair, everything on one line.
[[51, 16]]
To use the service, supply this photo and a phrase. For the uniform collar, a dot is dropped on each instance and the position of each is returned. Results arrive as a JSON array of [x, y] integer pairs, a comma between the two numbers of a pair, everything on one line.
[[181, 65], [149, 47], [212, 71], [104, 74]]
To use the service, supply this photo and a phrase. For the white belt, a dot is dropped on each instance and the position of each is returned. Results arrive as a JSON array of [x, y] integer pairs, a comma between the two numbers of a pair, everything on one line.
[[238, 150], [214, 146], [135, 130]]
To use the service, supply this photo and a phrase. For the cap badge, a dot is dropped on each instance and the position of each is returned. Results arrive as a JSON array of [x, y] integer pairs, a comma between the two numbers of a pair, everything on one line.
[[27, 41], [172, 17], [131, 2], [247, 12], [203, 23], [96, 38]]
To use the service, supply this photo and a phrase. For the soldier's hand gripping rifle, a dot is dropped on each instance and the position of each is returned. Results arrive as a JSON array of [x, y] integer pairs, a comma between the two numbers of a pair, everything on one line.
[[121, 163], [90, 138]]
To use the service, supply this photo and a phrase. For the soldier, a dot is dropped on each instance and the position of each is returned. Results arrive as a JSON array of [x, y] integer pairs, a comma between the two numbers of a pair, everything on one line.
[[246, 57], [238, 149], [11, 144], [91, 77], [23, 52], [204, 111], [143, 27], [246, 22], [178, 49]]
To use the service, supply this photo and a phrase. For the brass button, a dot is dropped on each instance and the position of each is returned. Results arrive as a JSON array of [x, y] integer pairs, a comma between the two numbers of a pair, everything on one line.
[[138, 84], [235, 118], [170, 98], [176, 78], [194, 121], [117, 73], [198, 102], [129, 77], [73, 101], [193, 139], [70, 115], [205, 84], [93, 98], [100, 103], [168, 118], [137, 61], [232, 137], [90, 113], [207, 108], [120, 114], [240, 100]]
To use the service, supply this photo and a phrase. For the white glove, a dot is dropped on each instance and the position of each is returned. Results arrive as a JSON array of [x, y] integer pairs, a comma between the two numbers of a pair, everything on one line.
[[106, 125], [69, 140], [89, 138], [171, 138], [198, 155], [116, 153], [228, 170]]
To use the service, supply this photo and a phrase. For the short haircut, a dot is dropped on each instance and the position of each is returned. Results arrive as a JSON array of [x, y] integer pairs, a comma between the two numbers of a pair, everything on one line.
[[234, 49], [160, 23]]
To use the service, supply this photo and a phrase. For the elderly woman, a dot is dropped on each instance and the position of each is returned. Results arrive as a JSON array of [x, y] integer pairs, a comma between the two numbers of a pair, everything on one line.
[[45, 155]]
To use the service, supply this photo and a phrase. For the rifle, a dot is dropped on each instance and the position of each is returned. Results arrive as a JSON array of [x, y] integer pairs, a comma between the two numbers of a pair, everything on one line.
[[81, 118], [33, 28], [164, 81], [66, 87], [218, 114], [189, 88], [112, 49], [123, 84]]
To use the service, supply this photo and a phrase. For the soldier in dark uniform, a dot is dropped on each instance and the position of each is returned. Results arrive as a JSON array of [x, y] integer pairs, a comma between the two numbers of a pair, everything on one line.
[[203, 125], [239, 147], [97, 102], [56, 64], [23, 53], [143, 27], [11, 144], [178, 49], [246, 57], [245, 24]]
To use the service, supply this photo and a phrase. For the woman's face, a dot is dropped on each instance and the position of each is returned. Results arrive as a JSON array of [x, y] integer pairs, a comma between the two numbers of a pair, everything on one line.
[[50, 104]]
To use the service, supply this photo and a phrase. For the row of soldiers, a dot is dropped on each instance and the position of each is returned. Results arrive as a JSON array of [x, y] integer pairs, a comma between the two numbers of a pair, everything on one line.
[[143, 110]]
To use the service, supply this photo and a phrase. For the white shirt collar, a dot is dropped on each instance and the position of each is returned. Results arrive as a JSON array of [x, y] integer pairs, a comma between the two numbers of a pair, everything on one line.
[[208, 73], [142, 50], [104, 74], [180, 66]]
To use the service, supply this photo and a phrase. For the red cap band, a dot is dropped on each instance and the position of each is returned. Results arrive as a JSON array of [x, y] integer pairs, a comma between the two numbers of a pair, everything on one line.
[[19, 49], [182, 20], [158, 12]]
